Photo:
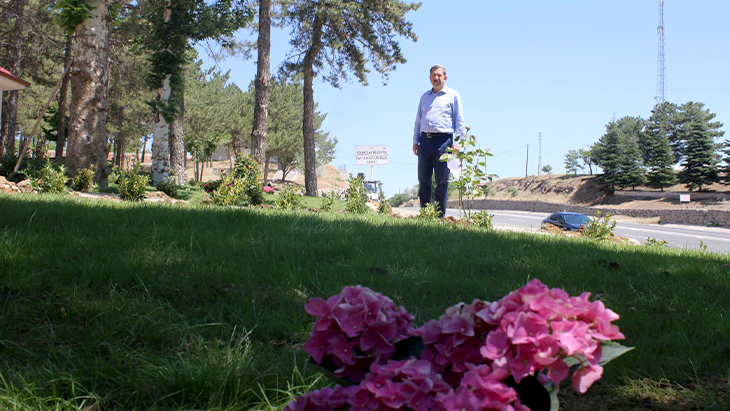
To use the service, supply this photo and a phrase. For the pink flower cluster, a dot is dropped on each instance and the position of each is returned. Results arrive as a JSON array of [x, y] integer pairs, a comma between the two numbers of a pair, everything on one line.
[[453, 341], [473, 355], [538, 327], [355, 329]]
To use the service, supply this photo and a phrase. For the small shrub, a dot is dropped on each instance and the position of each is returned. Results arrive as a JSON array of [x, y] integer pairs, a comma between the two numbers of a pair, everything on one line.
[[168, 187], [356, 196], [429, 212], [84, 179], [247, 174], [600, 228], [482, 219], [512, 190], [653, 242], [228, 193], [384, 207], [7, 164], [211, 186], [52, 179], [289, 198], [131, 185], [328, 200]]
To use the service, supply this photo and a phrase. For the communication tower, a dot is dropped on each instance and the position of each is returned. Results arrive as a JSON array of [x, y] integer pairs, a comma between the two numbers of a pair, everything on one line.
[[661, 79]]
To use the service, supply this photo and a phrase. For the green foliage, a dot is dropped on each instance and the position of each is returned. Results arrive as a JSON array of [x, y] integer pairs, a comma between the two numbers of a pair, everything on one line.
[[486, 190], [132, 185], [383, 206], [168, 187], [328, 200], [52, 178], [356, 196], [289, 198], [211, 186], [547, 168], [228, 193], [599, 228], [429, 212], [473, 163], [571, 161], [482, 219], [653, 242], [618, 153], [7, 164], [699, 161], [247, 174], [84, 179], [513, 192], [408, 194], [72, 13]]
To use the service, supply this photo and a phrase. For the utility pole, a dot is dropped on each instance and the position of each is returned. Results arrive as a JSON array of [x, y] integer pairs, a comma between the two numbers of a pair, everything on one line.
[[539, 153], [661, 78]]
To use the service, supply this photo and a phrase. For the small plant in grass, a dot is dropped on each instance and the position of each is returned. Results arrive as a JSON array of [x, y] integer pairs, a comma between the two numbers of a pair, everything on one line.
[[328, 200], [482, 219], [653, 242], [429, 212], [228, 193], [211, 186], [168, 187], [472, 160], [84, 179], [512, 190], [131, 185], [247, 174], [383, 206], [600, 228], [52, 178], [289, 198], [511, 354], [356, 196]]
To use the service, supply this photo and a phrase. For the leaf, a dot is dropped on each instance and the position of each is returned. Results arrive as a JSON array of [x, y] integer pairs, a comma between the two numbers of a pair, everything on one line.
[[610, 351], [447, 157]]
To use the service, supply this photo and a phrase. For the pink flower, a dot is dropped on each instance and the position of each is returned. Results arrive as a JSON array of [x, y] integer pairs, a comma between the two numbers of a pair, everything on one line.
[[584, 377]]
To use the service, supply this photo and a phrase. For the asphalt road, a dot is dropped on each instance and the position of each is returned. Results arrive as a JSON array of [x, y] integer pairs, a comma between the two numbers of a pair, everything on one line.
[[716, 239]]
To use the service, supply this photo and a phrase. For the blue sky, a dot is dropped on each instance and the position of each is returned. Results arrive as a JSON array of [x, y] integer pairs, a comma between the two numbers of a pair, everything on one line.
[[563, 68]]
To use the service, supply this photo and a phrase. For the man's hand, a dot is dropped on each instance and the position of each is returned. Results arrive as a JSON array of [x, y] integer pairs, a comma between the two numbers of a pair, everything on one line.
[[415, 149], [456, 148]]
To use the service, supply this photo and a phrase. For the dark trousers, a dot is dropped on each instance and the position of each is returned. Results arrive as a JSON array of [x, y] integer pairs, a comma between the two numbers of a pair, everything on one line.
[[429, 152]]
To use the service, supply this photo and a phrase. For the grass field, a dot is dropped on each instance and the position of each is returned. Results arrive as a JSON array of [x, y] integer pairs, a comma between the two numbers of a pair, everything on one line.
[[153, 306]]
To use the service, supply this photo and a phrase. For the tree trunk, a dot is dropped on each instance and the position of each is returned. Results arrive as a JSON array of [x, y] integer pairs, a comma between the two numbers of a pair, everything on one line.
[[267, 161], [144, 147], [261, 108], [161, 128], [9, 126], [177, 147], [62, 101], [87, 140], [310, 155]]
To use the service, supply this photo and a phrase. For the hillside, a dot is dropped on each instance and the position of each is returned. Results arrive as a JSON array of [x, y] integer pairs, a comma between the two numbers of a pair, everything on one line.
[[590, 191]]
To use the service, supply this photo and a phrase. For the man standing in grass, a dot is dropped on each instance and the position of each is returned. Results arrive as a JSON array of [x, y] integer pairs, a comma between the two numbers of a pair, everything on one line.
[[439, 123]]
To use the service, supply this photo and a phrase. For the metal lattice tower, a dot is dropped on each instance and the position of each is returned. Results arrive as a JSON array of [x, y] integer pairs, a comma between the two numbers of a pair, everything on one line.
[[661, 78]]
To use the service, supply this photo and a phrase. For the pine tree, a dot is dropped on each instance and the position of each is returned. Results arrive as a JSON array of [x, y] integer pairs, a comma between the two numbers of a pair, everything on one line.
[[700, 162], [631, 166]]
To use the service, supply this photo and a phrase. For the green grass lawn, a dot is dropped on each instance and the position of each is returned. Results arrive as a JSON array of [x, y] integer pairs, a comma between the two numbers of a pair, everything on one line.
[[155, 306]]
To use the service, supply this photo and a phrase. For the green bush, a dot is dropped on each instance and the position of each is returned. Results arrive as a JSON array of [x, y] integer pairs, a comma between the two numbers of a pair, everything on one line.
[[487, 190], [483, 219], [384, 207], [51, 178], [131, 185], [356, 196], [600, 228], [429, 212], [228, 193], [84, 179], [247, 174], [328, 200], [512, 190], [289, 198], [7, 164], [168, 187], [211, 186]]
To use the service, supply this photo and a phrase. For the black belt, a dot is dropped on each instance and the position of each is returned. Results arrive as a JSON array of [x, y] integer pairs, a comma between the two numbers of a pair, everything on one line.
[[433, 135]]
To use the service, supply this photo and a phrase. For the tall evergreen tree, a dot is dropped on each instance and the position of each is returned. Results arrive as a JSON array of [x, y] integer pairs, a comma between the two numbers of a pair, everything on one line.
[[336, 38], [659, 129], [700, 162], [631, 167]]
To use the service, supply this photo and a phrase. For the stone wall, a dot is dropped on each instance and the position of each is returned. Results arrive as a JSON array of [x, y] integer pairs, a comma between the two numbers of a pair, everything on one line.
[[683, 216]]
